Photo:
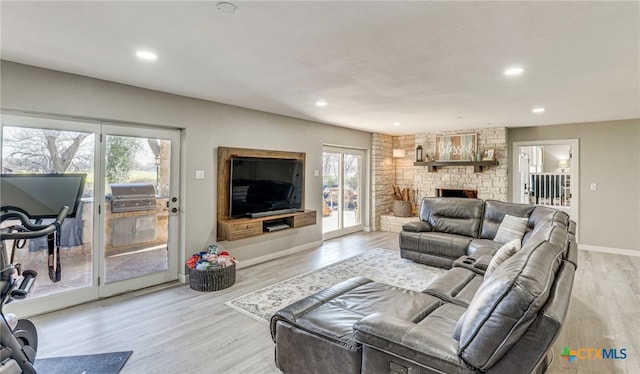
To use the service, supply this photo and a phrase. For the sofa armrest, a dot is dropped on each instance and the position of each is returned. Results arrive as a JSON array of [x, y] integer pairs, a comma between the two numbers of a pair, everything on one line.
[[476, 264], [482, 262], [417, 226], [485, 251], [415, 342]]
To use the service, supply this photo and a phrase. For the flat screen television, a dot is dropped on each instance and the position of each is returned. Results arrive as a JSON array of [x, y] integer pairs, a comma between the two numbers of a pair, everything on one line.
[[265, 186]]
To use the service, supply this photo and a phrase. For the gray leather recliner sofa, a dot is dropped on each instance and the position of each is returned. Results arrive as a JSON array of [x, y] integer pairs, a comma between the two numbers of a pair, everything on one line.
[[452, 227], [463, 322]]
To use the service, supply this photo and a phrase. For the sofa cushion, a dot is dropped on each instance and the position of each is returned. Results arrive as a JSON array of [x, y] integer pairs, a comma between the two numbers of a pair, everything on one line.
[[416, 226], [428, 343], [494, 212], [321, 325], [544, 216], [502, 255], [332, 312], [525, 354], [481, 247], [511, 228], [443, 244], [507, 303], [453, 215]]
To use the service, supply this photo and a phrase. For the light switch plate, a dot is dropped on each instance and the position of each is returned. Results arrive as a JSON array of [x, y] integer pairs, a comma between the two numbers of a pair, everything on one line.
[[199, 174], [594, 187]]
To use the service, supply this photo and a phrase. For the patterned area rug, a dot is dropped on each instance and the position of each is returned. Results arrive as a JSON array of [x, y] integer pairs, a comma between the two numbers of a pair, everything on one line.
[[380, 265]]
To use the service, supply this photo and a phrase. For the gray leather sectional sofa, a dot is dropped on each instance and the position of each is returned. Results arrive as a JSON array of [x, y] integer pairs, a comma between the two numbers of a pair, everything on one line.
[[464, 321]]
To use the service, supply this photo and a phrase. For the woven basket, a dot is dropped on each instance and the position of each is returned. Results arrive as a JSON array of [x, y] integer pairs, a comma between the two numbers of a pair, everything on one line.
[[401, 208], [213, 279]]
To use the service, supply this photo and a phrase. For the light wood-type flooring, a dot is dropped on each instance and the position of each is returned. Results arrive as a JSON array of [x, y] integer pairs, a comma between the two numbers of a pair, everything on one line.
[[173, 329]]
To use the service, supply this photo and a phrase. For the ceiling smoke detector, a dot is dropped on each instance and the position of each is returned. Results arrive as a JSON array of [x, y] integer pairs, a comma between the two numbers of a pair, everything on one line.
[[226, 8]]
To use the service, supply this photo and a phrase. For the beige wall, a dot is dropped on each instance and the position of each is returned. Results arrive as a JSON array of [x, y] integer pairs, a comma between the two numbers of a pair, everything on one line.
[[206, 126], [609, 157]]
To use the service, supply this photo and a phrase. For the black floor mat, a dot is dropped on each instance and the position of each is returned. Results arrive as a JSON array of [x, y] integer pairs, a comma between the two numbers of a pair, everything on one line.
[[103, 363]]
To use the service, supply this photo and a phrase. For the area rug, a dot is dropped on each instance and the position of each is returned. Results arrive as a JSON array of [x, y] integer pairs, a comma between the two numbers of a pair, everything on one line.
[[103, 363], [380, 265]]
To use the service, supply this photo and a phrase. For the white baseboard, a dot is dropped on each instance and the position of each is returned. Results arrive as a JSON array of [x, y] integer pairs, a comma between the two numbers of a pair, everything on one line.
[[615, 251], [273, 256]]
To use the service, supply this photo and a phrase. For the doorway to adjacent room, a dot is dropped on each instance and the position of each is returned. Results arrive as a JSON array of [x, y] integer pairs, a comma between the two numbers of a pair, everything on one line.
[[547, 173]]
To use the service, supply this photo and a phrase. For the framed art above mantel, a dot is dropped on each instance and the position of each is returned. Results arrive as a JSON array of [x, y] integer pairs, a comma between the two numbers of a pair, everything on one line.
[[460, 147]]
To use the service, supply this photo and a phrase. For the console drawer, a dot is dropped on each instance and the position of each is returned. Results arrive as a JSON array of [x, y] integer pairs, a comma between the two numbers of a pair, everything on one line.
[[241, 230], [305, 219]]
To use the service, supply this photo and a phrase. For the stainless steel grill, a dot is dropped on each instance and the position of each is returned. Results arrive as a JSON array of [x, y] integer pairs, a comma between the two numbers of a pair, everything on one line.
[[129, 197]]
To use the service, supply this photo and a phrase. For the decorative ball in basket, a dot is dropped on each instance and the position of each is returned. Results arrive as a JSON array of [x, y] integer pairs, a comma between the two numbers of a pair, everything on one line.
[[211, 270]]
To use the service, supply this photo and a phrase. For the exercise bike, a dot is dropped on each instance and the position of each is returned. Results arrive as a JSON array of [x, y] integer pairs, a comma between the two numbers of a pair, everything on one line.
[[18, 337]]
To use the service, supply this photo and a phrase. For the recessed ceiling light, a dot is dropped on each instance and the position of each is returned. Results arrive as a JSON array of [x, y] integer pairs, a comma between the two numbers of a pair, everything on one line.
[[538, 110], [321, 103], [514, 71], [146, 55], [396, 123], [226, 8]]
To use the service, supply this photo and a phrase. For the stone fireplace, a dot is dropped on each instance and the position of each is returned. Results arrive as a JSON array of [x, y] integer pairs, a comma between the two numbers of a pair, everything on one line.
[[449, 180], [490, 183]]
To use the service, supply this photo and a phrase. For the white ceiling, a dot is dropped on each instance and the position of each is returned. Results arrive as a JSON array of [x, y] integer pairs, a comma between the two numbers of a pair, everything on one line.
[[431, 66]]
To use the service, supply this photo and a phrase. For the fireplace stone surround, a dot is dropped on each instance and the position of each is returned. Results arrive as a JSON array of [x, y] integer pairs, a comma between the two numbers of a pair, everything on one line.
[[491, 184]]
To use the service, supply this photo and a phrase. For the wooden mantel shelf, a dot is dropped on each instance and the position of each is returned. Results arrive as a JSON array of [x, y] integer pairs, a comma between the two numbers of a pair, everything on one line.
[[477, 165]]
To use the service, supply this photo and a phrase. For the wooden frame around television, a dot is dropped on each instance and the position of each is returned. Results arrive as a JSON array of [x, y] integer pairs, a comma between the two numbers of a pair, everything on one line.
[[225, 154]]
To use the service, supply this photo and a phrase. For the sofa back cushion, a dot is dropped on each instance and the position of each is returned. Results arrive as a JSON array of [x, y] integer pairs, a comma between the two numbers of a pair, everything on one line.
[[507, 303], [494, 212], [536, 342], [543, 216], [453, 215]]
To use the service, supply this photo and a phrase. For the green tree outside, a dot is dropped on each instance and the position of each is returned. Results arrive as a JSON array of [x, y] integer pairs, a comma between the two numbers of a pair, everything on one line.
[[121, 152]]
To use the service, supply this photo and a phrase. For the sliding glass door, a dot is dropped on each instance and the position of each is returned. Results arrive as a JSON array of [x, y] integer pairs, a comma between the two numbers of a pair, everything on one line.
[[107, 248], [34, 145], [342, 186], [139, 220]]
